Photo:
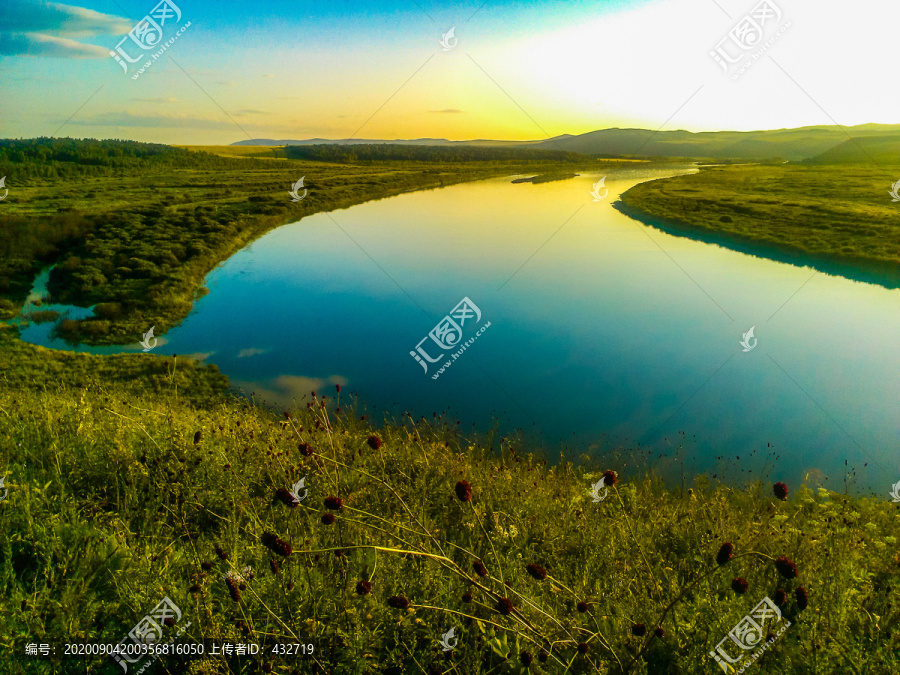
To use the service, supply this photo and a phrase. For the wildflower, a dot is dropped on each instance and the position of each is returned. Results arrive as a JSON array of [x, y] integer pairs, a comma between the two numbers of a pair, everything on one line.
[[290, 586], [802, 597], [786, 567], [169, 621], [197, 437], [287, 415], [504, 606], [536, 571], [374, 442], [334, 503], [525, 658], [273, 565], [338, 387], [206, 565], [276, 544], [660, 633], [467, 597], [582, 607], [363, 588], [638, 629], [583, 648], [726, 553], [233, 589], [542, 657], [780, 597], [327, 518], [248, 573], [221, 553], [194, 589], [479, 568], [463, 491], [305, 450], [739, 585], [398, 602], [610, 478], [286, 497], [780, 490]]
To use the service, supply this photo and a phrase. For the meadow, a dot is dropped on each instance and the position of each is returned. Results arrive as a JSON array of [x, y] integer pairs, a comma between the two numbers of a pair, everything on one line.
[[836, 218], [132, 478]]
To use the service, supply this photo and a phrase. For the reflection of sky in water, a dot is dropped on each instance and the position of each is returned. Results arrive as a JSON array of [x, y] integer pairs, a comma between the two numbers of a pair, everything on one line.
[[611, 327]]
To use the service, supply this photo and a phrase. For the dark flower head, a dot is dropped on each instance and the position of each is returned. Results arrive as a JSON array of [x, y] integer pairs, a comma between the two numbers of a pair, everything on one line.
[[374, 442], [285, 497], [233, 589], [363, 588], [467, 597], [275, 544], [582, 607], [780, 597], [197, 437], [802, 597], [660, 633], [542, 657], [786, 567], [338, 387], [221, 553], [504, 606], [525, 658], [194, 589], [536, 571], [169, 621], [206, 565], [287, 415], [479, 568], [780, 490], [327, 518], [334, 503], [583, 648], [398, 602], [739, 585], [610, 478], [638, 629], [726, 553], [273, 565], [463, 491], [305, 450]]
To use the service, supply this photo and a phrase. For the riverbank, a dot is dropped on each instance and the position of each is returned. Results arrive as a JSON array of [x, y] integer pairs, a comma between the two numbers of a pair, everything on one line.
[[144, 480], [826, 218]]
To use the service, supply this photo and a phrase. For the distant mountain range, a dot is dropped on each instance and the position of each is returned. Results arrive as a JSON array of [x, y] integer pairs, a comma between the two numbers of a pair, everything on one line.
[[820, 144]]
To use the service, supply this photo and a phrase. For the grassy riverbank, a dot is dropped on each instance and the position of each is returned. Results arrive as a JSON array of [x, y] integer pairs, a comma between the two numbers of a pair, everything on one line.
[[135, 228], [127, 474], [838, 219]]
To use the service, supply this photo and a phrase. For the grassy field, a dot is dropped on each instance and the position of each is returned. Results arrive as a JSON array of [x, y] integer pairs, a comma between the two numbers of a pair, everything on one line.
[[838, 219], [136, 236], [136, 477]]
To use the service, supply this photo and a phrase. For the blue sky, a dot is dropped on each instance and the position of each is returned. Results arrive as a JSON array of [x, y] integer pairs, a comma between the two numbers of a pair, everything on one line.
[[523, 70]]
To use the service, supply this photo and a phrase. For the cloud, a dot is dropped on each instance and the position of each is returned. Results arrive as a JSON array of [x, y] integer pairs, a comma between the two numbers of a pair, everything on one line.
[[130, 119], [250, 111], [285, 390], [38, 28], [169, 99], [448, 110], [268, 76], [36, 44]]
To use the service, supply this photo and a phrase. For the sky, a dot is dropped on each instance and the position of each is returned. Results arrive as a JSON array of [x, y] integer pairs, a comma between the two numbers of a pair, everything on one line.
[[534, 69]]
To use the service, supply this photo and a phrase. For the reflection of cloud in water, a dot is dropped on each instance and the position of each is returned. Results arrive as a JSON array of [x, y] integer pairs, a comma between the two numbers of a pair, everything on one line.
[[197, 356], [252, 352], [287, 389]]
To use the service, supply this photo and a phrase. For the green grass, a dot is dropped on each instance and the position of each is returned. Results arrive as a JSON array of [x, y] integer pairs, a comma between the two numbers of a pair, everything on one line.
[[836, 218], [126, 473]]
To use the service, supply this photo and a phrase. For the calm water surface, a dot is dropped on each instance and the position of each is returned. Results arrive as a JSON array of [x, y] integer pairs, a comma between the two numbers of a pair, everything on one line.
[[602, 330]]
